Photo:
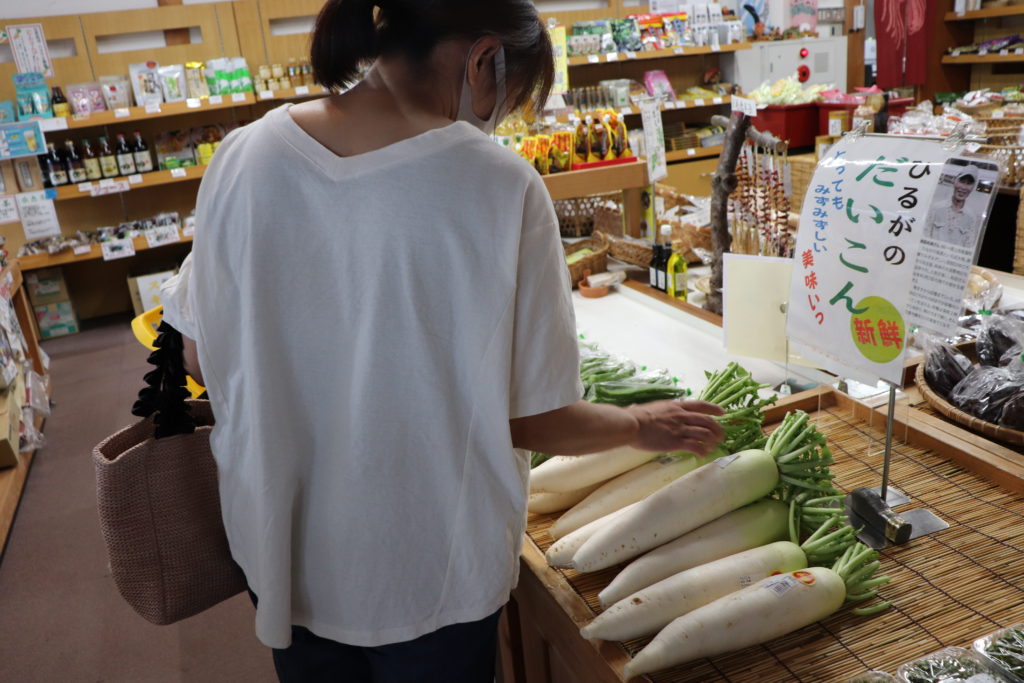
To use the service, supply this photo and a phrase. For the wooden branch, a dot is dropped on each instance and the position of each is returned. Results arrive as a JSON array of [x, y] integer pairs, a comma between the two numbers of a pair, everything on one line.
[[762, 139], [722, 185]]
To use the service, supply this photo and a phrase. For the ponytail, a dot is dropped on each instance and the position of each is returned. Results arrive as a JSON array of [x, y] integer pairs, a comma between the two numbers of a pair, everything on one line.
[[344, 38]]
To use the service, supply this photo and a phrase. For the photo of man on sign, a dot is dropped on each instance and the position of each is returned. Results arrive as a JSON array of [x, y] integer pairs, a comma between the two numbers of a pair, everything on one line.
[[960, 201]]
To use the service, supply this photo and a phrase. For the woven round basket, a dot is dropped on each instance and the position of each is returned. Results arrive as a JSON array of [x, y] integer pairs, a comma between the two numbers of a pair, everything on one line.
[[595, 263], [975, 424]]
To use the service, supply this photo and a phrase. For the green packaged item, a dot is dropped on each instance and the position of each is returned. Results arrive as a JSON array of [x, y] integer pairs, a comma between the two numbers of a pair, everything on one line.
[[32, 96], [7, 114], [626, 33], [1005, 649], [948, 665]]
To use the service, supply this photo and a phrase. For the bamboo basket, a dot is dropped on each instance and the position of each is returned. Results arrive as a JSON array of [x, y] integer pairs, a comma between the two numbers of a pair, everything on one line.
[[576, 217], [629, 250], [1012, 158], [595, 263], [978, 110], [975, 424]]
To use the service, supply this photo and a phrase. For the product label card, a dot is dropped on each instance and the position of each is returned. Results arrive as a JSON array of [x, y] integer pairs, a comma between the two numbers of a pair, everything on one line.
[[21, 139], [38, 215], [654, 139], [118, 249], [8, 209], [28, 44], [161, 235]]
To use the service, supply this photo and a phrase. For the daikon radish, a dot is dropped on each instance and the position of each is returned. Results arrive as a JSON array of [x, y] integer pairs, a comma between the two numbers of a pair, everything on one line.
[[571, 472], [769, 609], [651, 609], [694, 499], [561, 553], [547, 502], [624, 489], [751, 526]]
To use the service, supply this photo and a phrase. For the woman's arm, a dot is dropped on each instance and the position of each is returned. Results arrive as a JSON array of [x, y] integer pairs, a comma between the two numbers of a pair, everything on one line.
[[585, 427], [191, 354]]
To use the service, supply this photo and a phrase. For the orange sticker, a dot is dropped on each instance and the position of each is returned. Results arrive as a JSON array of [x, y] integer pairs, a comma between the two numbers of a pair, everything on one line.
[[806, 578], [775, 573]]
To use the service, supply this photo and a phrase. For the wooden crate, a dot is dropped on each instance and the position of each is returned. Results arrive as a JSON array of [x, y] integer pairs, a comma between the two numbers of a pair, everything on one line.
[[948, 588]]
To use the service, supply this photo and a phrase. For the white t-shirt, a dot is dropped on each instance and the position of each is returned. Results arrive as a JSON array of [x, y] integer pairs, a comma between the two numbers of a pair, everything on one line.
[[366, 328]]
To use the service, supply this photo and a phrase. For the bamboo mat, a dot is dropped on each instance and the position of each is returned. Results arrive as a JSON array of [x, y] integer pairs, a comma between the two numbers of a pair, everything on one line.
[[948, 588]]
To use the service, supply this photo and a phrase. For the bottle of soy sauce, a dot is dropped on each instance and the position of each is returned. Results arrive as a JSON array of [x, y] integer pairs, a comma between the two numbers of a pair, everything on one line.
[[53, 166], [653, 270], [73, 163]]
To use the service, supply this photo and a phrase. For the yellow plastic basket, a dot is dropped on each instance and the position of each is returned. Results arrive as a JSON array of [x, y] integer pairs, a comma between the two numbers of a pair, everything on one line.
[[144, 327]]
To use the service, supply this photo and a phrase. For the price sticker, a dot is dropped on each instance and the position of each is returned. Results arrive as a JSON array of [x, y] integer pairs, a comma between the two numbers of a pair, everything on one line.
[[679, 51], [716, 47], [266, 94], [238, 97], [698, 103], [972, 147], [982, 52], [107, 182], [302, 90], [190, 228], [691, 152], [83, 250], [81, 117], [178, 173], [122, 113], [625, 112], [630, 55], [193, 103], [1004, 52], [594, 59], [670, 104], [153, 108], [108, 186], [216, 99], [118, 249], [682, 104], [85, 187], [744, 106], [611, 57], [955, 53], [717, 100], [550, 120], [56, 123], [1018, 51], [161, 235], [780, 585], [135, 179]]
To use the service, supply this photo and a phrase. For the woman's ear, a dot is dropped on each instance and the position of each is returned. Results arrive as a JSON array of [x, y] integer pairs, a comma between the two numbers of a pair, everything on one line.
[[481, 59]]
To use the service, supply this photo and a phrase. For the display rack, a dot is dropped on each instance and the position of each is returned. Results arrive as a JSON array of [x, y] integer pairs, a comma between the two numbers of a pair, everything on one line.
[[990, 13], [656, 54], [95, 252], [668, 106], [997, 58], [973, 71], [139, 181]]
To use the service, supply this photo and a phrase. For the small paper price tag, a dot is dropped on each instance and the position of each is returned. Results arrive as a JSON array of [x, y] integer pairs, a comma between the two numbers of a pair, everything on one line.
[[190, 227], [85, 187], [80, 117], [56, 123], [302, 90], [625, 112], [679, 51], [972, 147], [698, 103], [266, 94], [83, 250], [107, 182], [193, 103], [122, 113], [1018, 51], [691, 152], [717, 100], [153, 108], [955, 53], [670, 104], [135, 179], [164, 234], [1004, 52], [982, 52], [716, 47], [216, 99], [550, 120], [780, 585], [238, 97], [611, 57], [682, 104], [630, 55], [178, 173], [593, 59], [118, 249], [744, 106]]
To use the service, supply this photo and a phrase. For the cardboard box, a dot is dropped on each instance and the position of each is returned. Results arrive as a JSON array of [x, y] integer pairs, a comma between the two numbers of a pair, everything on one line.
[[145, 290], [11, 403], [46, 286], [56, 320]]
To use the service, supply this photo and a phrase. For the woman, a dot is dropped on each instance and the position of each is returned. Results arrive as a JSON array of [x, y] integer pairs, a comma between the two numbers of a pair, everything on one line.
[[380, 308]]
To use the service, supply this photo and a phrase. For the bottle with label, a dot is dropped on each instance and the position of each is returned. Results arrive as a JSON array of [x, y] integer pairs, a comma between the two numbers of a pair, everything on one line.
[[89, 160], [140, 150], [60, 104], [125, 158], [653, 270], [676, 275], [666, 251], [73, 163], [53, 166], [108, 162]]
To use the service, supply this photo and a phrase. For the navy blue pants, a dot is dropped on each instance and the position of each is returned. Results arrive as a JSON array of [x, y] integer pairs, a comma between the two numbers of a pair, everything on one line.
[[460, 653]]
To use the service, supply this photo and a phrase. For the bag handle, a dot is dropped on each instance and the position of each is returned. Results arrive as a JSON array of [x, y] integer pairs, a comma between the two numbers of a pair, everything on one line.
[[163, 397]]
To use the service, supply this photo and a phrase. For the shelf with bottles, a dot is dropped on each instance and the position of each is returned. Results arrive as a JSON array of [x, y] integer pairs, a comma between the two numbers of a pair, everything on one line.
[[1015, 10], [117, 184], [680, 51]]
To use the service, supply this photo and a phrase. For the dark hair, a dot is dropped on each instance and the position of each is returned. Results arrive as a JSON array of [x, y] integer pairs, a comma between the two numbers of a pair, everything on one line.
[[351, 32]]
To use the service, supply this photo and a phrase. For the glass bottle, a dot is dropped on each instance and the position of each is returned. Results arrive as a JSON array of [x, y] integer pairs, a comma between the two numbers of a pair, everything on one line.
[[125, 158], [108, 162], [89, 160], [143, 158], [73, 163]]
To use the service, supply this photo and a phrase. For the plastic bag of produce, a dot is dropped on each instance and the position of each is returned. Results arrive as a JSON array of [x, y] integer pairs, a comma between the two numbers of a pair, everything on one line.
[[948, 664], [1005, 650], [984, 392], [944, 366], [997, 335]]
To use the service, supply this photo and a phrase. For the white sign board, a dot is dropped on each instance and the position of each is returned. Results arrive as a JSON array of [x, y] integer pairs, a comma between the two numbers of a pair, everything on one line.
[[28, 45], [654, 139], [38, 215], [860, 231]]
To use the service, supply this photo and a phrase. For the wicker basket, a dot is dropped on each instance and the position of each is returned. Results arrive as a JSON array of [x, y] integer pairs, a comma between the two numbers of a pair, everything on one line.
[[1011, 157], [978, 110], [595, 263], [629, 250], [975, 424], [576, 216], [688, 238]]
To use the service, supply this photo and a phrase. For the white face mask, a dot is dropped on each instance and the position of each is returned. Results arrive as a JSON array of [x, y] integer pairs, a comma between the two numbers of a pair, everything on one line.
[[466, 112]]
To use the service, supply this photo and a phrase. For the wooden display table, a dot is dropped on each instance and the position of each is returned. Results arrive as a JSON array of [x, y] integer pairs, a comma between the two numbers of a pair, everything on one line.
[[948, 588]]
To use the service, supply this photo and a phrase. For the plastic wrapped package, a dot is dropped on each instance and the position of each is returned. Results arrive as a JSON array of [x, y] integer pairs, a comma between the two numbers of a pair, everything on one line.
[[1005, 650], [873, 677], [997, 335], [948, 664], [944, 366], [984, 392]]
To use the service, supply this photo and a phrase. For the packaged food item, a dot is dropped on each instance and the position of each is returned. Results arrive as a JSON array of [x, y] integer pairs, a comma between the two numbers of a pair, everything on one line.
[[611, 123], [561, 151], [1005, 650], [86, 98], [7, 114], [948, 665], [172, 82], [528, 149], [116, 91], [985, 391], [241, 79], [542, 160], [944, 366], [145, 78], [218, 76], [32, 96], [205, 140], [599, 142], [658, 85], [195, 80], [581, 149], [174, 150], [59, 103], [626, 33], [652, 31], [998, 334]]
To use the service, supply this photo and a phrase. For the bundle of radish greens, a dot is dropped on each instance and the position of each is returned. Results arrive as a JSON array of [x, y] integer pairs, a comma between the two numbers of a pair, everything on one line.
[[719, 552]]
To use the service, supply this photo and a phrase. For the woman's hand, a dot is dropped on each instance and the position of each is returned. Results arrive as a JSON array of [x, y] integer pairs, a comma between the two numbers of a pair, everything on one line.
[[677, 426]]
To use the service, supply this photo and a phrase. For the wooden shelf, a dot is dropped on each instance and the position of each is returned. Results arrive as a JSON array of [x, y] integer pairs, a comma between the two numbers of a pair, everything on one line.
[[693, 153], [144, 180], [655, 54], [291, 93], [38, 261], [717, 101], [993, 13], [991, 58], [597, 180]]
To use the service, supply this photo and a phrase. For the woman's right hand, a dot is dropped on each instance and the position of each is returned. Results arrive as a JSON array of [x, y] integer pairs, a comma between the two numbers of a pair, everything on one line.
[[677, 426]]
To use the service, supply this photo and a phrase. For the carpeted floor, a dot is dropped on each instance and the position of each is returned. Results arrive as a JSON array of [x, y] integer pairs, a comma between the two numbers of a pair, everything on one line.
[[61, 618]]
